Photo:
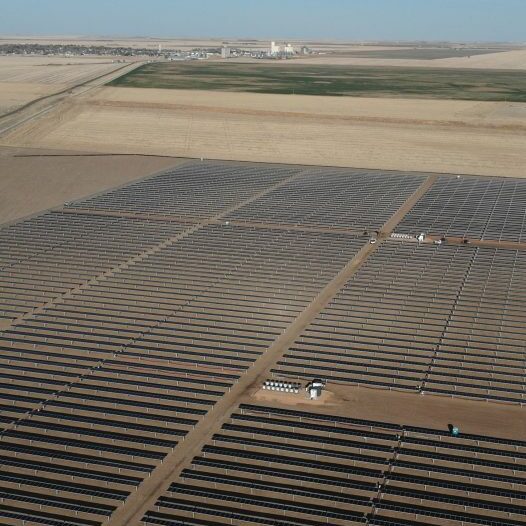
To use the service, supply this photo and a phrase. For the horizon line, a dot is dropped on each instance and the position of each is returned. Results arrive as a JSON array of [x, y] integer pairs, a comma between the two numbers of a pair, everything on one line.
[[249, 38]]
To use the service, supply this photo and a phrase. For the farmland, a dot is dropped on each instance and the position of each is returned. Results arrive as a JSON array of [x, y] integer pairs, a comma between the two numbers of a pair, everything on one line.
[[486, 138], [52, 70], [23, 79], [332, 80], [423, 53]]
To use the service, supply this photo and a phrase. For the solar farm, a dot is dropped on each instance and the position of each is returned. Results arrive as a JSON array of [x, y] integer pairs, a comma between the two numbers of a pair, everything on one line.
[[138, 327]]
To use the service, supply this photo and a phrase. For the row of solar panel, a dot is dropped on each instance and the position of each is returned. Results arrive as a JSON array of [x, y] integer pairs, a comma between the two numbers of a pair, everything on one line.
[[194, 189], [355, 199], [104, 383], [386, 474], [51, 254], [358, 200], [424, 318], [477, 207], [473, 207], [101, 433]]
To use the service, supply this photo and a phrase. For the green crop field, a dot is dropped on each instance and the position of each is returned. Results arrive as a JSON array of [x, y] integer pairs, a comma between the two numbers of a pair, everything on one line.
[[301, 79]]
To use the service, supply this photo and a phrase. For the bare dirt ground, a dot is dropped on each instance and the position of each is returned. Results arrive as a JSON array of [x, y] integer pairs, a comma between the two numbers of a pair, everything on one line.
[[31, 184], [471, 416], [479, 138]]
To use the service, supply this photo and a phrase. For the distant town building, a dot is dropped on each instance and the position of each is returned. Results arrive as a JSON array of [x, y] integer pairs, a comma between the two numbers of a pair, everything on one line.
[[288, 49], [225, 52], [274, 49], [284, 50]]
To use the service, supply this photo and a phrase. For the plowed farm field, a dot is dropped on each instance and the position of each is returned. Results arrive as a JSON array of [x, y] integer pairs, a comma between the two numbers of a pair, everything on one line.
[[23, 79], [479, 138]]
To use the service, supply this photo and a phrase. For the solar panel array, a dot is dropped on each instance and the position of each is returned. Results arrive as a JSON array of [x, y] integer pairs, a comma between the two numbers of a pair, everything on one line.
[[85, 423], [46, 256], [472, 207], [79, 435], [445, 319], [146, 324], [286, 467], [125, 317], [194, 190], [482, 352], [241, 288], [360, 200]]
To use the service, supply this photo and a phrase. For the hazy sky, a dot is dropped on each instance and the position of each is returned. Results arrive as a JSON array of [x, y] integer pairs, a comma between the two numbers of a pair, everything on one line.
[[496, 20]]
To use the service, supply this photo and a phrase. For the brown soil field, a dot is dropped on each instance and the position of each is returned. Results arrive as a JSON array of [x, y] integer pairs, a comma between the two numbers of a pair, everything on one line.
[[385, 109], [33, 180], [23, 79], [514, 59], [15, 94], [479, 138], [52, 72]]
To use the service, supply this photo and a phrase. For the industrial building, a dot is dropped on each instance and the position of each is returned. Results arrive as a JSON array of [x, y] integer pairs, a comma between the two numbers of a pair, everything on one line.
[[277, 50]]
